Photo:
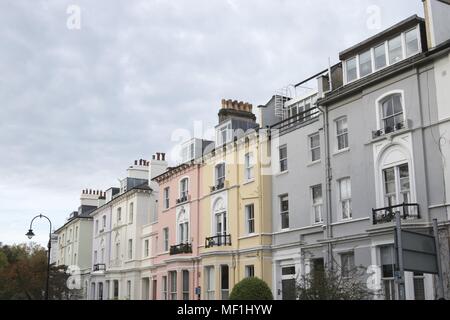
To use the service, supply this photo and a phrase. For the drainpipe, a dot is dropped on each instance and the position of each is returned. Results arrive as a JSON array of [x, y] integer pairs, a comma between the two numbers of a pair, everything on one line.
[[328, 177], [261, 211], [236, 159]]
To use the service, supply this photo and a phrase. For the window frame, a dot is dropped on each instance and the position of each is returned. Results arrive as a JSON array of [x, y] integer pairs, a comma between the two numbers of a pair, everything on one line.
[[312, 149], [342, 134], [166, 245], [166, 198], [283, 160], [131, 213], [346, 200], [130, 249], [249, 166], [388, 62], [346, 272], [184, 187], [284, 212], [219, 179], [250, 219], [315, 205], [250, 271]]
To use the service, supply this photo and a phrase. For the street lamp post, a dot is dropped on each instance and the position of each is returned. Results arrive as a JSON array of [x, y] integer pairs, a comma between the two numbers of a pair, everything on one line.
[[30, 234]]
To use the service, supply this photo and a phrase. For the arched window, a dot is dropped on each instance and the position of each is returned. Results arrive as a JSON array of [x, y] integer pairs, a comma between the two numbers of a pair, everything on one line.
[[220, 218], [391, 111], [183, 227]]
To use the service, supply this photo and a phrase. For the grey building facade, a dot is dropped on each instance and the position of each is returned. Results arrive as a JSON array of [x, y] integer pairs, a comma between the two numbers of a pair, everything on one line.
[[372, 141]]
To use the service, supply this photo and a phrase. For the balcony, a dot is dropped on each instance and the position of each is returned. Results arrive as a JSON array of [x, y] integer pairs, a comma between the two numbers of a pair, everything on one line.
[[183, 199], [181, 248], [219, 186], [388, 130], [99, 267], [218, 241], [301, 119], [408, 211]]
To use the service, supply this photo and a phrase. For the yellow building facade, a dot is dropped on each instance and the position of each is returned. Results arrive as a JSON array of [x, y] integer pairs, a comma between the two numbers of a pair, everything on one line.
[[235, 206]]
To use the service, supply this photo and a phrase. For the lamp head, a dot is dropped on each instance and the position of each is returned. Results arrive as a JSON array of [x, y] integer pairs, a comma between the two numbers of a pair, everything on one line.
[[30, 234]]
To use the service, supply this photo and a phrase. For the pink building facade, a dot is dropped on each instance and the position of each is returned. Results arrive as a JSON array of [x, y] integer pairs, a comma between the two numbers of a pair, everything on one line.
[[175, 236]]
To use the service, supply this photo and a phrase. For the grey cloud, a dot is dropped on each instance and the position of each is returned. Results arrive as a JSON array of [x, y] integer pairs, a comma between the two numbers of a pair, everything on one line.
[[77, 107]]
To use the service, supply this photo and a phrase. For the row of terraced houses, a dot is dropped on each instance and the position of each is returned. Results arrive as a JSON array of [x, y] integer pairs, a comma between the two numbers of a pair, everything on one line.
[[304, 182]]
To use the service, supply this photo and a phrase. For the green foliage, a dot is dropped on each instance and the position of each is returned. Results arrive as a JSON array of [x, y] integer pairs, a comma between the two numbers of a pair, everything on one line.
[[330, 284], [23, 274], [251, 289]]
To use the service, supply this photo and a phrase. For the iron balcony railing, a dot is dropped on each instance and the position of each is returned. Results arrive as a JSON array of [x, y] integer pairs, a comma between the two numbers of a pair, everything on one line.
[[183, 199], [297, 120], [386, 215], [181, 248], [219, 186], [99, 267], [218, 241], [388, 129]]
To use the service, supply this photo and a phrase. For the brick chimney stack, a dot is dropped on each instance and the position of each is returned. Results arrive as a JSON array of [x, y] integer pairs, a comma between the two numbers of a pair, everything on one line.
[[236, 109]]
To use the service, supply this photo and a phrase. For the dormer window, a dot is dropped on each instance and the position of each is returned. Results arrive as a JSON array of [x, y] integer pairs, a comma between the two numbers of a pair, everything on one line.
[[384, 54], [412, 42], [395, 50], [365, 64], [380, 56], [352, 70], [224, 134], [187, 152]]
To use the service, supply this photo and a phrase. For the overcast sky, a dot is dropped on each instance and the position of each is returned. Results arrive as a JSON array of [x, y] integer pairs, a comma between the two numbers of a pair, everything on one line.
[[78, 105]]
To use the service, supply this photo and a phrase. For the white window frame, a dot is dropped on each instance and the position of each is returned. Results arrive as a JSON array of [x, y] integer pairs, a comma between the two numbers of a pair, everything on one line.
[[210, 287], [183, 192], [280, 200], [250, 271], [166, 198], [347, 200], [166, 245], [343, 272], [315, 206], [249, 167], [216, 176], [338, 135], [387, 55], [311, 148], [130, 249], [379, 106], [131, 213], [173, 285], [146, 248], [283, 159], [228, 128], [164, 288], [250, 219]]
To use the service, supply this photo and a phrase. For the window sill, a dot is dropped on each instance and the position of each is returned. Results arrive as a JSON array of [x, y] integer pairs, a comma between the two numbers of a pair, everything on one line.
[[339, 152], [279, 174], [249, 182], [311, 164]]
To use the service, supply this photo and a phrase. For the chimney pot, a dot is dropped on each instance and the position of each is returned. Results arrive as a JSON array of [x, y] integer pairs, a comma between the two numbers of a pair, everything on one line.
[[158, 155], [163, 157]]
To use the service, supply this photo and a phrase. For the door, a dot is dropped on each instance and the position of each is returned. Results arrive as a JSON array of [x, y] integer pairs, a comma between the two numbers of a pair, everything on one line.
[[288, 283], [154, 289]]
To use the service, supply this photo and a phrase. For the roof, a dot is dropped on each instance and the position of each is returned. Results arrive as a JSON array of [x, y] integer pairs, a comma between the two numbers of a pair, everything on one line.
[[376, 39], [405, 65], [143, 187], [173, 170]]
